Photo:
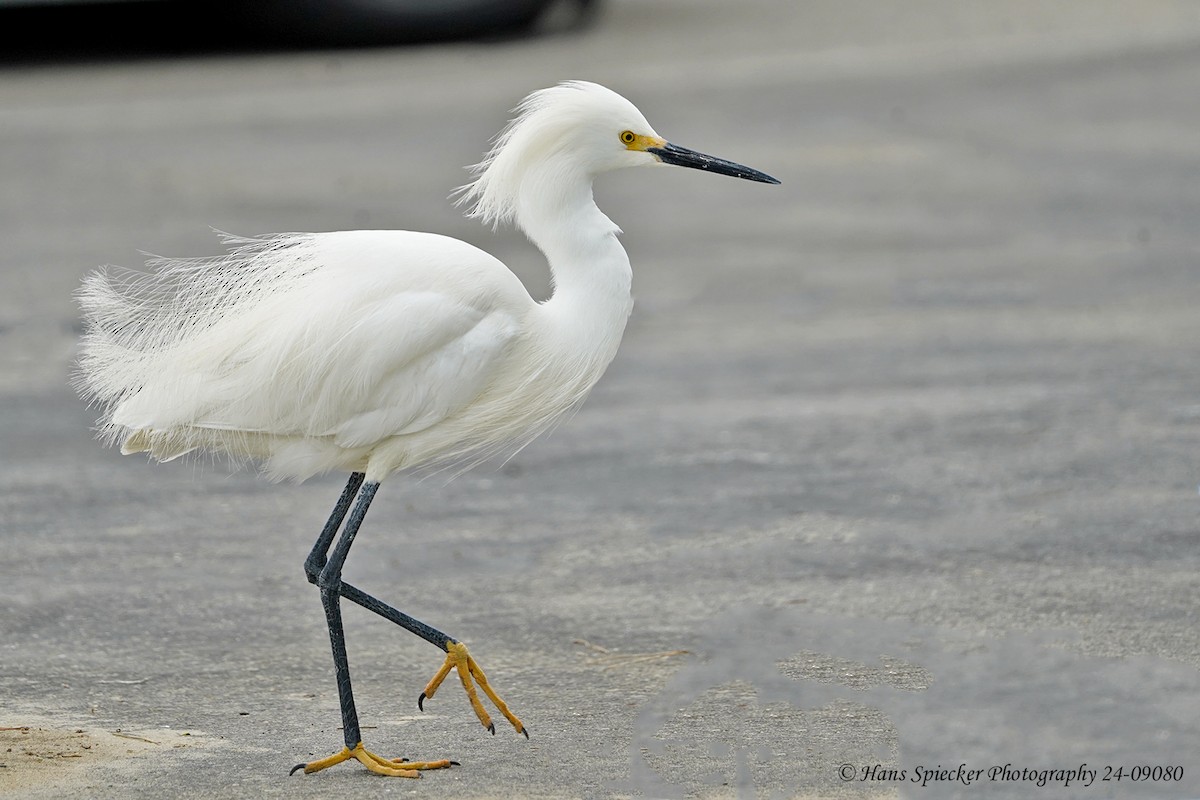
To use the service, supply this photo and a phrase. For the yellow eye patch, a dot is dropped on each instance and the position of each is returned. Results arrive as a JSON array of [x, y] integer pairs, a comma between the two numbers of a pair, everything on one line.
[[635, 141]]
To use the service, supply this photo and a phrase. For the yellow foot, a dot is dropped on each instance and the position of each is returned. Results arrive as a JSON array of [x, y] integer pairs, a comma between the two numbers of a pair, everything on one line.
[[395, 768], [457, 658]]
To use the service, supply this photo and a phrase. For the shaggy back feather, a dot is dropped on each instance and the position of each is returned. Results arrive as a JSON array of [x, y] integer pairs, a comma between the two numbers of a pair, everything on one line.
[[136, 323]]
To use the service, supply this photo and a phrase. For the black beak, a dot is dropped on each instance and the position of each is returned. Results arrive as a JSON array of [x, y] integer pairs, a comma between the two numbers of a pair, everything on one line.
[[682, 157]]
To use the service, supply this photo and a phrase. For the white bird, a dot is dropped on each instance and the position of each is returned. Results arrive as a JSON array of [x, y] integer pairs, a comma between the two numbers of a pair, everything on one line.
[[378, 351]]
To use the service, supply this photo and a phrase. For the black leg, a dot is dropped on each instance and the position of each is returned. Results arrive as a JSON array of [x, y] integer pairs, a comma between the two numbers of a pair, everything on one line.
[[331, 574], [324, 568], [327, 574], [316, 558], [341, 665], [316, 561], [330, 579], [426, 632]]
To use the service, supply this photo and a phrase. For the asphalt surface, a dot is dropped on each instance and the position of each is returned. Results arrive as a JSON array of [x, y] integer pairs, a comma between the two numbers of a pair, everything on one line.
[[903, 453]]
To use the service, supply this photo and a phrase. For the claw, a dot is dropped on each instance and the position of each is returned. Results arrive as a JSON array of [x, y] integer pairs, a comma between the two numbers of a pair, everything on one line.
[[525, 731], [421, 702], [469, 673], [294, 769], [400, 768]]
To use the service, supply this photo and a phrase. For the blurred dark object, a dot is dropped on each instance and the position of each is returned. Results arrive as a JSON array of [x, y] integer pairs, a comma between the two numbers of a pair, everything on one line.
[[397, 21], [54, 29]]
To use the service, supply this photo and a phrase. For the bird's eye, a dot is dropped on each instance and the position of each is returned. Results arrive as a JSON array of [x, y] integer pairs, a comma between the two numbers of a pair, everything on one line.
[[628, 137]]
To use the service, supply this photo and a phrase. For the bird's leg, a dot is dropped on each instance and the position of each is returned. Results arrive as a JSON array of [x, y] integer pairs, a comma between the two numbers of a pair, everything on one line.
[[316, 559], [457, 657], [329, 581]]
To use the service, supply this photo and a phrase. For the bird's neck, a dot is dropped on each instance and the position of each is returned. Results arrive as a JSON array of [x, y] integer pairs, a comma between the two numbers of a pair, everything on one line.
[[587, 263], [590, 270]]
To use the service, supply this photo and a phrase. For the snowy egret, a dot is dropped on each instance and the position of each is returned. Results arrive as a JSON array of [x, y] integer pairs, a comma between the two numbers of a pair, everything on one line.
[[378, 351]]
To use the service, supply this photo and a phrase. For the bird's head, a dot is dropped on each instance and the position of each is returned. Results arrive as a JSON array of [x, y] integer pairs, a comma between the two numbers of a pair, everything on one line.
[[575, 131]]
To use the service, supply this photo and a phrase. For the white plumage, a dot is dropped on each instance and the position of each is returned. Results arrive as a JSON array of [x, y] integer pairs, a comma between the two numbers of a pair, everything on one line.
[[375, 351]]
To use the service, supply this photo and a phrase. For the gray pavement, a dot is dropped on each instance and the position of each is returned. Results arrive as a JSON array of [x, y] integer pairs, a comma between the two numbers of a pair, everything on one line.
[[903, 453]]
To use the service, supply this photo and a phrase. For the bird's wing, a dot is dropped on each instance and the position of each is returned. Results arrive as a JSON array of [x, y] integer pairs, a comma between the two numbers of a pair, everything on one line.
[[390, 393], [358, 354]]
